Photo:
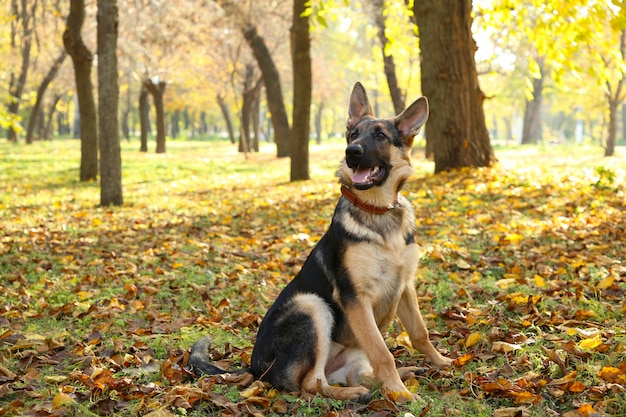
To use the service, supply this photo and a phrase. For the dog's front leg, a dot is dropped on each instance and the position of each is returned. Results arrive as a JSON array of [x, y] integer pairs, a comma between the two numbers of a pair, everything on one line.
[[360, 316], [413, 323]]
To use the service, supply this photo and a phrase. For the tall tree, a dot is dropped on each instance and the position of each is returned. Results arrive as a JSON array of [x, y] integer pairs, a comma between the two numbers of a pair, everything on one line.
[[615, 92], [82, 60], [531, 130], [34, 113], [302, 85], [389, 64], [143, 118], [456, 125], [156, 88], [271, 77], [251, 90], [221, 101], [108, 95], [22, 33]]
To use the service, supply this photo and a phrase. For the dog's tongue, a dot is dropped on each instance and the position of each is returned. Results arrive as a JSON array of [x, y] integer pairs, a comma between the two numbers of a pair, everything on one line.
[[361, 175]]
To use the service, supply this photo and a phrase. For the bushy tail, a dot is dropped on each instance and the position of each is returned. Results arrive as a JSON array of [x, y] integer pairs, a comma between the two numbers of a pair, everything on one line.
[[200, 359]]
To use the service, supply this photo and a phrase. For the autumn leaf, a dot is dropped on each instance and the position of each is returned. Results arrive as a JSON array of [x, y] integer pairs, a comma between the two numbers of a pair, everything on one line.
[[472, 339], [590, 343], [613, 375], [61, 399]]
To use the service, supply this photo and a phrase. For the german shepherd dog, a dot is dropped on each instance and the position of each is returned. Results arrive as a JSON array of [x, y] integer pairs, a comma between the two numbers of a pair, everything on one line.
[[324, 332]]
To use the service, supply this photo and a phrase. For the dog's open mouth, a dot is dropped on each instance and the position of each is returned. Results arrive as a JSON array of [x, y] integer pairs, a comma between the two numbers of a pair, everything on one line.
[[364, 178]]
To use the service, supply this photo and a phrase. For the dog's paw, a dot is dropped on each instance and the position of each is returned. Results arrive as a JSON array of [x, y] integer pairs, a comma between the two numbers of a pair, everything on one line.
[[402, 396], [442, 362]]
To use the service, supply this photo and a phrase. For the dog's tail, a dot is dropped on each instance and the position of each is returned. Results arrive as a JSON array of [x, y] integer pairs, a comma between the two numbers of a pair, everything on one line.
[[200, 360]]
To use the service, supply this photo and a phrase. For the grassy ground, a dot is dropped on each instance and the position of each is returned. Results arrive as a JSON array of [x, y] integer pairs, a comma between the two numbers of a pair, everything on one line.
[[522, 281]]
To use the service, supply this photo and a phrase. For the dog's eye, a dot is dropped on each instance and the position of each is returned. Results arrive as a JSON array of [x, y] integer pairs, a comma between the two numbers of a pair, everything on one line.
[[354, 134], [380, 135]]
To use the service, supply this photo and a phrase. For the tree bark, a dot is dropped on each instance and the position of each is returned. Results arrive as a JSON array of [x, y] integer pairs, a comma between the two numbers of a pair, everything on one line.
[[108, 96], [615, 97], [17, 83], [156, 88], [34, 114], [143, 118], [273, 90], [531, 131], [609, 149], [125, 122], [244, 137], [175, 123], [318, 122], [255, 117], [624, 122], [302, 85], [47, 132], [226, 114], [456, 126], [82, 60], [397, 97]]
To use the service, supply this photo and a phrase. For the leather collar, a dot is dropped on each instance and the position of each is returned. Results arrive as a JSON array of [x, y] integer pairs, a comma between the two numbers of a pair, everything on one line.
[[347, 193]]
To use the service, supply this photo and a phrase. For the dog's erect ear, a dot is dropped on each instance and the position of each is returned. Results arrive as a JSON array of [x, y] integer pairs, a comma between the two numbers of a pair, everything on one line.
[[359, 106], [412, 119]]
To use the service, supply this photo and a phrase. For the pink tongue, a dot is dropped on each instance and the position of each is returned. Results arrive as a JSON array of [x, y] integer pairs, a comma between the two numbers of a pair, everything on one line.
[[361, 176]]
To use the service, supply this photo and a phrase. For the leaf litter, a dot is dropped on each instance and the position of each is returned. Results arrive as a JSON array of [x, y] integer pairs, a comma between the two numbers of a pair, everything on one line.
[[522, 280]]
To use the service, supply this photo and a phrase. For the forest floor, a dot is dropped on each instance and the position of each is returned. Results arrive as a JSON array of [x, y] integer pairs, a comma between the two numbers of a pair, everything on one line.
[[522, 282]]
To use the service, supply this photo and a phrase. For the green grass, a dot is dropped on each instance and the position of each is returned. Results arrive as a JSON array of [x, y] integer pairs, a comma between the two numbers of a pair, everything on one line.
[[99, 305]]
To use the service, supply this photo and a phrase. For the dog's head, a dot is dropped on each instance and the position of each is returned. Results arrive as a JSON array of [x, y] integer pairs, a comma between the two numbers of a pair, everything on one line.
[[378, 150]]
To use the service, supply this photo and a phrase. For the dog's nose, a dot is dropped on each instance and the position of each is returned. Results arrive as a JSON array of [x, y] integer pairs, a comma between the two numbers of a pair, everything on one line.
[[354, 150]]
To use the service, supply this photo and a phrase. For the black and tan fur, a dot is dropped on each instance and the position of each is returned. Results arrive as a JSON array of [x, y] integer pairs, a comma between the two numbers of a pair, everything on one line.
[[324, 332]]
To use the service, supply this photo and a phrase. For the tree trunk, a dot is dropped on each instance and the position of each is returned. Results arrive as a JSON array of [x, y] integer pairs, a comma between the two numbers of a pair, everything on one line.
[[302, 84], [204, 124], [226, 113], [156, 88], [318, 122], [624, 122], [609, 150], [175, 123], [108, 96], [47, 132], [143, 118], [82, 60], [255, 117], [273, 89], [388, 62], [17, 83], [125, 122], [456, 126], [34, 114], [615, 97], [531, 132]]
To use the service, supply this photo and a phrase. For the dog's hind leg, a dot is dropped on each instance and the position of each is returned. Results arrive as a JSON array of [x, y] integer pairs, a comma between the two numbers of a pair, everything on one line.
[[315, 381]]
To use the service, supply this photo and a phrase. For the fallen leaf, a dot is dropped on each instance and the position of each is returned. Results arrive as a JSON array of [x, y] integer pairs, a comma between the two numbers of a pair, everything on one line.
[[472, 339], [511, 412], [61, 399], [504, 347], [591, 343]]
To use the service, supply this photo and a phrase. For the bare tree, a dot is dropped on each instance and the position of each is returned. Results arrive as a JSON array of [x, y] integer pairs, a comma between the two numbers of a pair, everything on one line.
[[302, 85], [397, 97], [271, 77], [22, 33], [34, 113], [82, 60], [156, 88], [108, 95]]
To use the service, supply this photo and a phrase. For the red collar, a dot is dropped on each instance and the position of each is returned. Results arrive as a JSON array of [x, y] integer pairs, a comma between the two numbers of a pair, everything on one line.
[[347, 193]]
